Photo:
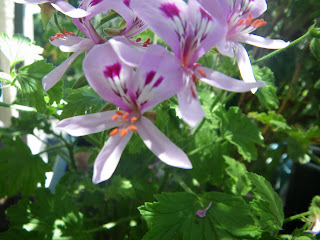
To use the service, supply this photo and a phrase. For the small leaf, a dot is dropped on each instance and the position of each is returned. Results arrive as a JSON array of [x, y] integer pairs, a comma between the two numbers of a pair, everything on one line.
[[80, 101], [46, 13], [30, 77], [240, 130], [267, 95], [266, 203], [20, 170], [19, 48]]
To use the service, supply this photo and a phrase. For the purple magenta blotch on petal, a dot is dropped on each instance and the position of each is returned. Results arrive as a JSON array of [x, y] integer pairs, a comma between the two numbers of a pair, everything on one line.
[[112, 71], [170, 9]]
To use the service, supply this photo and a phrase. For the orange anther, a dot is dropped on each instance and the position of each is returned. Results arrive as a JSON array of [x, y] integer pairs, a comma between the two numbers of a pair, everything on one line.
[[241, 21], [133, 127], [133, 119], [115, 117], [119, 112], [113, 132], [258, 23], [138, 39], [64, 31], [123, 132], [201, 71], [194, 78], [125, 116]]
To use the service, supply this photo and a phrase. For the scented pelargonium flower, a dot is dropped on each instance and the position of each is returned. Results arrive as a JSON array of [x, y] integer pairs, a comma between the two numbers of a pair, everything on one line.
[[190, 31], [239, 18], [113, 77], [68, 42], [61, 5]]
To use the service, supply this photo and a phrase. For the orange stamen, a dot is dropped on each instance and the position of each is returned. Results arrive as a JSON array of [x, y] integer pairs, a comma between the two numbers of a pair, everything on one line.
[[138, 39], [258, 23], [194, 78], [64, 31], [115, 117], [114, 132], [123, 132], [201, 71], [125, 116], [133, 127], [241, 21], [119, 112], [133, 119]]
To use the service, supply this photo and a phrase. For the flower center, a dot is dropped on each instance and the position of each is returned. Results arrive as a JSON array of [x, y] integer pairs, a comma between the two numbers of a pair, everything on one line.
[[61, 35], [127, 121]]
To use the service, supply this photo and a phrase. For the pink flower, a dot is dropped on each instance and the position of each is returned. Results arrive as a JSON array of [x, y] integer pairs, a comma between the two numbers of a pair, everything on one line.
[[68, 42], [113, 77], [61, 5], [239, 18], [190, 31]]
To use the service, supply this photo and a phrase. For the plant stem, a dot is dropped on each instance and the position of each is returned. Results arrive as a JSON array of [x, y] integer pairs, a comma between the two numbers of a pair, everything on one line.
[[51, 149], [183, 184], [300, 215], [18, 107], [107, 19], [306, 35]]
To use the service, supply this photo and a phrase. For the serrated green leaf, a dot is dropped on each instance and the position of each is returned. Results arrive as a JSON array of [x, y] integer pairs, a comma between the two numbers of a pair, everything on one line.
[[19, 48], [20, 170], [240, 130], [174, 217], [271, 118], [80, 101], [266, 203], [55, 93], [237, 181], [267, 95], [30, 77]]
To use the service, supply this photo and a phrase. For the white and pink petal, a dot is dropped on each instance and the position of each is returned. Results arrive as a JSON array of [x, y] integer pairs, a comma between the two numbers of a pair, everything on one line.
[[109, 157], [88, 124], [222, 81], [161, 146], [262, 42]]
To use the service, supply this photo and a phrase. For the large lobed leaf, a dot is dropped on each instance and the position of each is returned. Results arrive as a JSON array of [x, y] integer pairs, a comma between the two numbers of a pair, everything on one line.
[[174, 217], [80, 101], [30, 77], [240, 130], [266, 203], [20, 170]]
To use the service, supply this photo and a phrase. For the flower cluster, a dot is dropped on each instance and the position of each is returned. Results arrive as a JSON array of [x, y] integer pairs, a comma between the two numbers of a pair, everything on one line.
[[136, 76]]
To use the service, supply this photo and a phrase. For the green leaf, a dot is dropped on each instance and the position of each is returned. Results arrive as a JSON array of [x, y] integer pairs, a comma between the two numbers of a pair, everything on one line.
[[55, 93], [80, 101], [267, 95], [266, 203], [46, 13], [49, 216], [19, 48], [20, 170], [240, 130], [237, 181], [30, 78], [271, 118], [174, 217]]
